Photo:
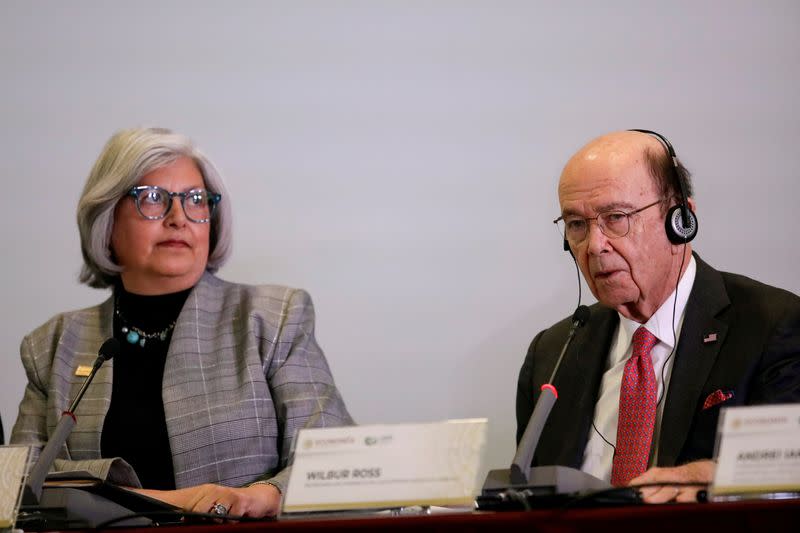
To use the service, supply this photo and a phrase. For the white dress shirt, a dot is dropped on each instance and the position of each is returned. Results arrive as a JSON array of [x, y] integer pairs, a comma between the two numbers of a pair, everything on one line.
[[598, 456]]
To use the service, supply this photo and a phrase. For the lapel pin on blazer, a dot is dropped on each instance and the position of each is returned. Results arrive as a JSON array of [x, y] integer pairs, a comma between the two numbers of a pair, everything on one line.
[[711, 337]]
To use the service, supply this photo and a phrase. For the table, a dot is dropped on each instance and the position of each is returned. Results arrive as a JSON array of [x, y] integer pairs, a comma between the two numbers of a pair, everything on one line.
[[729, 517]]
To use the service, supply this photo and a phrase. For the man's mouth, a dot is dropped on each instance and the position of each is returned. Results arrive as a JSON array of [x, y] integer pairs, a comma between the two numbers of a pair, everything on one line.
[[606, 274]]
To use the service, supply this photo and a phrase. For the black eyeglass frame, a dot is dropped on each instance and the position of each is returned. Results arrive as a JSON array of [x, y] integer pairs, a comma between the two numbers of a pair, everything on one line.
[[212, 198], [600, 225]]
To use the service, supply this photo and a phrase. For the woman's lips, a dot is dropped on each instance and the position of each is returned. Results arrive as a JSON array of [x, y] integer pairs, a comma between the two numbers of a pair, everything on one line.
[[174, 243]]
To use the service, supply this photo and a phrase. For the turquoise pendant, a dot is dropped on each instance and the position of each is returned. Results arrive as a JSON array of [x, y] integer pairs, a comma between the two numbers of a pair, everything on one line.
[[132, 337]]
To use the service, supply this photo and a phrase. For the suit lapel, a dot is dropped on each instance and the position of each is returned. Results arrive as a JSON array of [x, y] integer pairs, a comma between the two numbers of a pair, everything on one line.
[[80, 341], [187, 370], [577, 381], [693, 359]]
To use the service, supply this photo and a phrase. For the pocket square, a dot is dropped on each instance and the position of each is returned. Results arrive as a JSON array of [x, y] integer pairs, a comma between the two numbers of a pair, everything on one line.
[[716, 398]]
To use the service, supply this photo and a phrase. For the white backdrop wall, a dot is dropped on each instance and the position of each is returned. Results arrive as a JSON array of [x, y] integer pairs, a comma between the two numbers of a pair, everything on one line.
[[398, 160]]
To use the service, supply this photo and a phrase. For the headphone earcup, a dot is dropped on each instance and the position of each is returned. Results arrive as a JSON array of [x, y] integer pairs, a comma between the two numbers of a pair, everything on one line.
[[677, 233]]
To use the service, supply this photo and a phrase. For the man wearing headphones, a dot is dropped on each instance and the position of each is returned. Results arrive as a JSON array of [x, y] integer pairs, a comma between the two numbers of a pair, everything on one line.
[[635, 406]]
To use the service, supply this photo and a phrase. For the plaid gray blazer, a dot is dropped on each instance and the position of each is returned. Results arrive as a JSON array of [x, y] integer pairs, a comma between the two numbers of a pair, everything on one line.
[[243, 374]]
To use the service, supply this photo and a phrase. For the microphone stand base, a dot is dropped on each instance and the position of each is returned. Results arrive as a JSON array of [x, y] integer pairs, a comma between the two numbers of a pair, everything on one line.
[[549, 486], [71, 508], [545, 480]]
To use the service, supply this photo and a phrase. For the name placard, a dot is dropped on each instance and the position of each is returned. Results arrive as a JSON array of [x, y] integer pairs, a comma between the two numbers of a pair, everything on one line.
[[758, 451], [13, 471], [385, 466]]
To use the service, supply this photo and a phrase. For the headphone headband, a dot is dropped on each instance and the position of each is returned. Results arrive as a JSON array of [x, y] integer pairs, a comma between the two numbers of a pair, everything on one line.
[[681, 228], [673, 158]]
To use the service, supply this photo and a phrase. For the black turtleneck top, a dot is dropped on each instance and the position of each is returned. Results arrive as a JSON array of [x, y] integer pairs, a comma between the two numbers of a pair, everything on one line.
[[135, 428]]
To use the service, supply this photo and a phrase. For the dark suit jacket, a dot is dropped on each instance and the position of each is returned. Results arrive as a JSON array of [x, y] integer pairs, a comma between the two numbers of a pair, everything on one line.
[[756, 356]]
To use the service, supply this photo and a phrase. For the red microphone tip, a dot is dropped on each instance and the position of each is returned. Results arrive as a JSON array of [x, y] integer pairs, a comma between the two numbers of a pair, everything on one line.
[[551, 388]]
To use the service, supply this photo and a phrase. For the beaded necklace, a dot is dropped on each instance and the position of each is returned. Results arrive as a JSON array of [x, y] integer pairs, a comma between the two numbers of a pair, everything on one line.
[[135, 335]]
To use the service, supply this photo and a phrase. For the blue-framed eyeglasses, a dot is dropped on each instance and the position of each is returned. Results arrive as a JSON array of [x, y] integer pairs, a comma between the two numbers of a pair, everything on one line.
[[153, 202]]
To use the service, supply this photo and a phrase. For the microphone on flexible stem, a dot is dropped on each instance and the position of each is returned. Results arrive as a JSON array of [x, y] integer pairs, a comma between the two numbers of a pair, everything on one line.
[[521, 466], [33, 487], [521, 481], [56, 507]]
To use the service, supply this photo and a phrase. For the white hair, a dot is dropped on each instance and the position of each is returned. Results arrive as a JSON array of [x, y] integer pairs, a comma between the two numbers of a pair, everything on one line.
[[126, 158]]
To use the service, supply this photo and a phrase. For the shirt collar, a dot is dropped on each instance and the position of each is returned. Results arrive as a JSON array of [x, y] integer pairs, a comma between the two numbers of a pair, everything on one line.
[[661, 323]]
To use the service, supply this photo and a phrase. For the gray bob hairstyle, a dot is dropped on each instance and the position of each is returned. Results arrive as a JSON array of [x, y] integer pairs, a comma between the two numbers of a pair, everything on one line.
[[126, 158]]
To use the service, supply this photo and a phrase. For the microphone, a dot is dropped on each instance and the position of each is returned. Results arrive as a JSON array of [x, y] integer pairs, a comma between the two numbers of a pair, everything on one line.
[[33, 487], [62, 507], [521, 466], [520, 481]]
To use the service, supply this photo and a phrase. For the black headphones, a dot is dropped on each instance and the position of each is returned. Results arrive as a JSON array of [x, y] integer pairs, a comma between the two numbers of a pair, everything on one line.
[[680, 222]]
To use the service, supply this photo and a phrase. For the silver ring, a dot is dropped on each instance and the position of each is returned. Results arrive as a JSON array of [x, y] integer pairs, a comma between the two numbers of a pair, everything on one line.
[[219, 509]]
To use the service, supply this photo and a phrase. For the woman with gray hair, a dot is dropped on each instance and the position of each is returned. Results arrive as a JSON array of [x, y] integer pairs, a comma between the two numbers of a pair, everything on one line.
[[214, 378]]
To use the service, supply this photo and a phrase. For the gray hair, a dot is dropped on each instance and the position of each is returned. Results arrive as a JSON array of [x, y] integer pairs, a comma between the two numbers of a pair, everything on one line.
[[126, 158]]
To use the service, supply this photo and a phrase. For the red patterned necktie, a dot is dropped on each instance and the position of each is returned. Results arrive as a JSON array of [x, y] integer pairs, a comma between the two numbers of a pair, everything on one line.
[[637, 411]]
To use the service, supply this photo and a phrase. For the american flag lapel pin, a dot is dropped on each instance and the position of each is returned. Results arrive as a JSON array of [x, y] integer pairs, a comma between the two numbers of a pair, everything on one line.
[[711, 337]]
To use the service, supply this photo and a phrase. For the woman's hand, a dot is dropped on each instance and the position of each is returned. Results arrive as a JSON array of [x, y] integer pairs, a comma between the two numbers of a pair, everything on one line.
[[255, 501]]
